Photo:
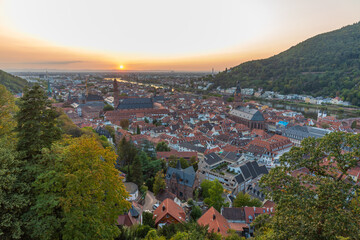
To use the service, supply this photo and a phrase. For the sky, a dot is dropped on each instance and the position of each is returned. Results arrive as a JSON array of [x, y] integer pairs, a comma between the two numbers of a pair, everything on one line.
[[159, 35]]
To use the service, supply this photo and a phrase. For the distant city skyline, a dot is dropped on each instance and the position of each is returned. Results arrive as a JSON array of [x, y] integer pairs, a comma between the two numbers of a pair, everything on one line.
[[160, 34]]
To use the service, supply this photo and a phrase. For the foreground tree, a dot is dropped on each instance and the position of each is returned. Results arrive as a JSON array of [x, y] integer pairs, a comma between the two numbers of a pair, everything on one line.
[[80, 195], [36, 123], [13, 191], [313, 190], [7, 111]]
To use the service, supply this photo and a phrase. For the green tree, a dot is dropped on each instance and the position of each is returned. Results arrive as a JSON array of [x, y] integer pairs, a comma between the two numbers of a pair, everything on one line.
[[148, 219], [108, 107], [195, 213], [353, 124], [232, 235], [319, 192], [137, 171], [8, 110], [152, 235], [173, 162], [159, 182], [127, 153], [36, 123], [111, 130], [13, 199], [205, 186], [215, 198], [124, 124], [162, 147], [244, 200], [138, 129], [80, 195]]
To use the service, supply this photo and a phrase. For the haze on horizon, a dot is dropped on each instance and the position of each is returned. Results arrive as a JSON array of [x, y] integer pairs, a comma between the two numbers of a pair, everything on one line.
[[145, 35]]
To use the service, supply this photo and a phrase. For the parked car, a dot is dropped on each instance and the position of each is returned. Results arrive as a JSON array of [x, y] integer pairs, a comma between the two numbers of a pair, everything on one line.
[[155, 206]]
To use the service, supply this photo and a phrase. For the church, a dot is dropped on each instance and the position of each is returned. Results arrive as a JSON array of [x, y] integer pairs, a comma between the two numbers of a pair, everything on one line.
[[252, 118], [130, 103]]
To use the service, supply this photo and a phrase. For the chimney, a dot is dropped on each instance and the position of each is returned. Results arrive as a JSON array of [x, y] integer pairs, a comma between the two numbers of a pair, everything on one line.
[[163, 207], [214, 217]]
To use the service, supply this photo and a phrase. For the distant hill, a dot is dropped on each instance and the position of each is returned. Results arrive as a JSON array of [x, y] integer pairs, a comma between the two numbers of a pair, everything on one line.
[[325, 65], [12, 83]]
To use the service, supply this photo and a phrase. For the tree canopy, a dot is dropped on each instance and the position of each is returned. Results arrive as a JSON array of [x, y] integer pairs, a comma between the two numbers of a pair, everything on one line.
[[325, 65], [314, 191]]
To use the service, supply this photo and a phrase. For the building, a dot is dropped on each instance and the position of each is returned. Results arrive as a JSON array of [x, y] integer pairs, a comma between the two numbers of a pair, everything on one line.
[[297, 133], [181, 182], [240, 219], [215, 221], [168, 212], [133, 191], [116, 93], [135, 103], [246, 173], [237, 94], [251, 118]]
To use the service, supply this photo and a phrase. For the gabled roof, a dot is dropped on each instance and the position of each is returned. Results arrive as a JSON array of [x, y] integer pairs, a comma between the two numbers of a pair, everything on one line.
[[248, 114], [234, 214], [135, 103], [250, 170], [183, 176], [168, 206], [216, 222], [213, 158]]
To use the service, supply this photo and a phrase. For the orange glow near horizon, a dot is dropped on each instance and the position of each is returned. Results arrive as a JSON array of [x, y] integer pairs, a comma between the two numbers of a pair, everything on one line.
[[34, 37]]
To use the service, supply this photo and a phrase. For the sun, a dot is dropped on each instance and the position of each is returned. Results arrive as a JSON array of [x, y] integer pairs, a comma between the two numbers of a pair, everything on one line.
[[121, 67]]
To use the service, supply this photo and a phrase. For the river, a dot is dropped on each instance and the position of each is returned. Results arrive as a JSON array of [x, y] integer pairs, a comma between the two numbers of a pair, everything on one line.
[[310, 112]]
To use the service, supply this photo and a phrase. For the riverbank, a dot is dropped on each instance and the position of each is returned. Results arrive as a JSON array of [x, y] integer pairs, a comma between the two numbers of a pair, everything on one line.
[[309, 109]]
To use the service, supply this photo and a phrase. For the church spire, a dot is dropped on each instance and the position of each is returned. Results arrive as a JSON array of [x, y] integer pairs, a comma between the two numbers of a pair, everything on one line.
[[116, 93]]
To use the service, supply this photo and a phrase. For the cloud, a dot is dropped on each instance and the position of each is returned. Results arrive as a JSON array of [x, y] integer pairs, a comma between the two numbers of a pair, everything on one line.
[[53, 62]]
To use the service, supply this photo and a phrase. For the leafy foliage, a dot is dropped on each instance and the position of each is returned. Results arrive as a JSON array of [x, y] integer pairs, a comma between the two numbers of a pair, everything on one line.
[[37, 125], [12, 83], [162, 147], [148, 219], [325, 65], [79, 194], [215, 198], [13, 191], [159, 183], [312, 189], [244, 200], [7, 111]]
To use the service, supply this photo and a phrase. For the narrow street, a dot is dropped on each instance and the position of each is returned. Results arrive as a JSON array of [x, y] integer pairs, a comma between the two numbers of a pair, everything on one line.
[[150, 200]]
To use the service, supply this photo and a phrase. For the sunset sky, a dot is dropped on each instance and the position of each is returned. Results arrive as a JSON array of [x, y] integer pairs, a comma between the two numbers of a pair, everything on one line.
[[186, 35]]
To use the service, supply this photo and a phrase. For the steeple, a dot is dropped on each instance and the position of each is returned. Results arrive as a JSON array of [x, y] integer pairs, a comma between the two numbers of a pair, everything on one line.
[[237, 94], [116, 93], [178, 165], [238, 88]]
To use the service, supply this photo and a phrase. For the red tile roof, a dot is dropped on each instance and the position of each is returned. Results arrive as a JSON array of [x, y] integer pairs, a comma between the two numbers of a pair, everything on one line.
[[168, 206], [215, 220]]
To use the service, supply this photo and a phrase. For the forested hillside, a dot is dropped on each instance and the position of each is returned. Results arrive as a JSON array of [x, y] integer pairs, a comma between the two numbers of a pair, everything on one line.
[[12, 83], [325, 65]]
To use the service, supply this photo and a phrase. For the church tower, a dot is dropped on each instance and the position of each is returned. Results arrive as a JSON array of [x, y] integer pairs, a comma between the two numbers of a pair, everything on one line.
[[116, 93], [237, 94]]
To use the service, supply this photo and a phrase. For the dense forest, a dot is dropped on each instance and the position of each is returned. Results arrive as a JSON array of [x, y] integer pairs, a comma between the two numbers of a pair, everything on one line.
[[12, 83], [325, 65]]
